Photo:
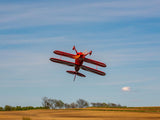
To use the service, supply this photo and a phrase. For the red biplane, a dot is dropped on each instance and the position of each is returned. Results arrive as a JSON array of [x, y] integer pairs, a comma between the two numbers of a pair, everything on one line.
[[80, 57]]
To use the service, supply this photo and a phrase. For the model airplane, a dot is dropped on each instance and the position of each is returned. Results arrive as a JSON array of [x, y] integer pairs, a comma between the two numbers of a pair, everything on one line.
[[80, 57]]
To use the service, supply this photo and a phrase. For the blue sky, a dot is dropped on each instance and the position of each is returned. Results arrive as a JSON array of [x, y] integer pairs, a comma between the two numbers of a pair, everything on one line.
[[123, 34]]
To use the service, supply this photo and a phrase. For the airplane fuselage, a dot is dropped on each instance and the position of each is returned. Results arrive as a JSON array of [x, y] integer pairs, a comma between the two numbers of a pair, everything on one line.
[[79, 61]]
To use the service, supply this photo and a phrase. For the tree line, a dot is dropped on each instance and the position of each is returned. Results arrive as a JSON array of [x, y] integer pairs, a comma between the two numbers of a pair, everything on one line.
[[59, 104], [12, 108], [48, 103]]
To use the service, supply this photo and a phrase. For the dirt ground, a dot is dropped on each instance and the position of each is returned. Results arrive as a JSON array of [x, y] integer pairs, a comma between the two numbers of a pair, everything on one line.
[[77, 115]]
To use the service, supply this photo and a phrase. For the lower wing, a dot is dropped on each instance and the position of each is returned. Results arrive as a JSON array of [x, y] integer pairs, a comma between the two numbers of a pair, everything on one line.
[[62, 61], [64, 54], [94, 62], [93, 70]]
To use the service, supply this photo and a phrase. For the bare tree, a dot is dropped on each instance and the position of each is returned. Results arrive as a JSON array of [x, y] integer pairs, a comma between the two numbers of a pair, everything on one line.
[[66, 105], [52, 103], [112, 105], [59, 104], [82, 103], [99, 104], [73, 105], [45, 102], [49, 103]]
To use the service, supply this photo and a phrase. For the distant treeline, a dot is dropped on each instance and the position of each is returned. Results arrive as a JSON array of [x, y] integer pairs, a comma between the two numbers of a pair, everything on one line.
[[12, 108], [80, 103], [48, 103]]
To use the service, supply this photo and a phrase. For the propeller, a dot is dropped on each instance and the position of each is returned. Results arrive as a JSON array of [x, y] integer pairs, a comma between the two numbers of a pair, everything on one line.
[[79, 54], [82, 54], [86, 53]]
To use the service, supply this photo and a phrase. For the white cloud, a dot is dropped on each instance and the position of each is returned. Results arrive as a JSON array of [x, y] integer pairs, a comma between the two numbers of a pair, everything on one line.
[[126, 89]]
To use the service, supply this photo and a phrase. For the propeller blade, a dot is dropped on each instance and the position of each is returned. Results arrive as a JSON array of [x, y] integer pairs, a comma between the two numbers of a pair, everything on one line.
[[85, 52]]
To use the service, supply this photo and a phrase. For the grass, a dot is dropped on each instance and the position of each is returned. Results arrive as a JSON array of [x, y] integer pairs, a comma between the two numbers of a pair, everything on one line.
[[126, 109], [84, 113]]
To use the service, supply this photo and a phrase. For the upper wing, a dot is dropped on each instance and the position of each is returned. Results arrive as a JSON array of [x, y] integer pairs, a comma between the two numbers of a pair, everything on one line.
[[94, 62], [93, 70], [64, 54], [62, 61]]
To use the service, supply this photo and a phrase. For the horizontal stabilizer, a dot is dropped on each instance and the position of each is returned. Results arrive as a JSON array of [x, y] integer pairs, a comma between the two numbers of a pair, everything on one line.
[[77, 73]]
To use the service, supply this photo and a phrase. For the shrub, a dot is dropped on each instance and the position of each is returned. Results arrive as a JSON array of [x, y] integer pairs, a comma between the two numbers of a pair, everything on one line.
[[1, 108], [8, 108]]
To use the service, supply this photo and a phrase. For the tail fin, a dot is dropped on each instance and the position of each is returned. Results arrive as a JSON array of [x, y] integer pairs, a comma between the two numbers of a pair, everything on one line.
[[76, 73], [74, 77]]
